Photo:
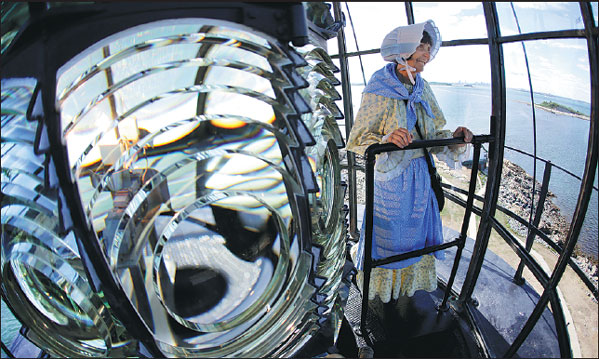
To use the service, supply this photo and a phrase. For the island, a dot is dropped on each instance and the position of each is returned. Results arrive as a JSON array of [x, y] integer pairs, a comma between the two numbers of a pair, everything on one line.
[[560, 109]]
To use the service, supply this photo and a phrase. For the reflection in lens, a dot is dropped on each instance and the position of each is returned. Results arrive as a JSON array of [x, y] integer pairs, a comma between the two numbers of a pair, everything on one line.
[[43, 279], [237, 238]]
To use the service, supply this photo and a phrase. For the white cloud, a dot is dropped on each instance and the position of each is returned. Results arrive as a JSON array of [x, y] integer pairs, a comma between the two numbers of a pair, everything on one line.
[[451, 19], [567, 45], [443, 9], [538, 5], [583, 65]]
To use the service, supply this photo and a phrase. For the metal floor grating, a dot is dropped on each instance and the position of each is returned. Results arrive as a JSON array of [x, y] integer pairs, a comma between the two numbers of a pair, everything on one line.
[[420, 331]]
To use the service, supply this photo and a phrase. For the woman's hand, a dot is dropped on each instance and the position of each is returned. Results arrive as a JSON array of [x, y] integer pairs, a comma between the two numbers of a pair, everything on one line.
[[400, 137], [463, 131]]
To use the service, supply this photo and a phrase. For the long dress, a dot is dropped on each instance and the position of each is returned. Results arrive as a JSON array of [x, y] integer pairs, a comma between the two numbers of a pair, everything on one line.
[[406, 215]]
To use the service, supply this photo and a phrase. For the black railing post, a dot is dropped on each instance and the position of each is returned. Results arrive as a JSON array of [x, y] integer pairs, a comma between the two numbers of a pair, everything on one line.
[[495, 157], [348, 113], [465, 224], [538, 213], [367, 262]]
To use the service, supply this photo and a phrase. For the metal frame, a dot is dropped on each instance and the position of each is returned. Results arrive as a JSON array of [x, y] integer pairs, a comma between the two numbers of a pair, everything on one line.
[[495, 157]]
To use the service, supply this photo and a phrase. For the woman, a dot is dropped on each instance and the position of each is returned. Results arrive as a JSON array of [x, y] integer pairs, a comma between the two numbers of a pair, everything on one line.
[[406, 214]]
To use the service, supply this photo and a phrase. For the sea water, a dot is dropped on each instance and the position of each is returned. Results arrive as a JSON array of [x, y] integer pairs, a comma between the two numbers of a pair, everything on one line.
[[10, 327], [561, 139]]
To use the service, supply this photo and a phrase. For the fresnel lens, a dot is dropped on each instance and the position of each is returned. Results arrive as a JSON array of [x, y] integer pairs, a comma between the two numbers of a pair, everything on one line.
[[205, 157]]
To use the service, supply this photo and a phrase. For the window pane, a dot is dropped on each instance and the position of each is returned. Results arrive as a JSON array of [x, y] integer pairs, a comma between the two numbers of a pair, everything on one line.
[[563, 85], [371, 64], [372, 21], [559, 73], [462, 87], [538, 16], [558, 67], [589, 227], [455, 20]]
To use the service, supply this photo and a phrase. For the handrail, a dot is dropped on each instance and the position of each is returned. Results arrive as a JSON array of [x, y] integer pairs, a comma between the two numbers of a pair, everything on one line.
[[378, 148]]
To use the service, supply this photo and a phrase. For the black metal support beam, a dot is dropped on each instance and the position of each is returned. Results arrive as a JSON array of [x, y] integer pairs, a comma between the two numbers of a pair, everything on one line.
[[495, 156], [348, 112], [563, 34], [449, 43], [409, 12]]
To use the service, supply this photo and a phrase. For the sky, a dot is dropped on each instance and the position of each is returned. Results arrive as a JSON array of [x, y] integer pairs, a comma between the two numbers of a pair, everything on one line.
[[558, 66]]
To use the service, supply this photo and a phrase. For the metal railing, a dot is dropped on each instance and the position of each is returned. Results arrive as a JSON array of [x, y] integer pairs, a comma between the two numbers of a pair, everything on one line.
[[369, 263]]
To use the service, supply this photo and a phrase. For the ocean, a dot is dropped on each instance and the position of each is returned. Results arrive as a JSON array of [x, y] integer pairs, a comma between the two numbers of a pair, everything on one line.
[[10, 327]]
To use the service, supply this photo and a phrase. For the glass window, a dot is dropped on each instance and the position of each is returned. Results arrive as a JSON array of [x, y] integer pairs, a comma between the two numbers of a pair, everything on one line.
[[558, 67], [372, 21], [559, 73], [588, 234], [332, 47], [455, 20], [538, 17], [371, 63], [462, 86], [595, 11]]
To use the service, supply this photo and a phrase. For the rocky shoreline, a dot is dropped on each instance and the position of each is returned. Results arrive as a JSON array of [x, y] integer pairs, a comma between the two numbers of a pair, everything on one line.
[[514, 194]]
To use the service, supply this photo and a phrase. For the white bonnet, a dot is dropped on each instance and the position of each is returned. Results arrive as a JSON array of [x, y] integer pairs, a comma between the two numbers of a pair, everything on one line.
[[401, 42]]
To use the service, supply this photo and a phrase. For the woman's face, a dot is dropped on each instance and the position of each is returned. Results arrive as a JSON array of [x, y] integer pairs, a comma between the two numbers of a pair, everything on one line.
[[420, 57]]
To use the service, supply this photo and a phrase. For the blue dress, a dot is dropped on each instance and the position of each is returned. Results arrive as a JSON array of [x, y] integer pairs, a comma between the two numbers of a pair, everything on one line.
[[405, 217]]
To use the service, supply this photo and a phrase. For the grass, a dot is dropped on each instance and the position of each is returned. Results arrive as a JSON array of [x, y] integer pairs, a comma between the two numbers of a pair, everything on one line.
[[556, 106]]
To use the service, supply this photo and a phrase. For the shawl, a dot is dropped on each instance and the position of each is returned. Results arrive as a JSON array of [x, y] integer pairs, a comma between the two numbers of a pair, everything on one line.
[[384, 82]]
